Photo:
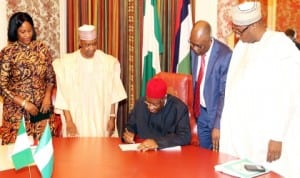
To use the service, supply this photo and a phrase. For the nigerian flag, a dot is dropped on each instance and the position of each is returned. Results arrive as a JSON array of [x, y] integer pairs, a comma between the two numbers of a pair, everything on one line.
[[152, 43], [22, 154], [43, 155]]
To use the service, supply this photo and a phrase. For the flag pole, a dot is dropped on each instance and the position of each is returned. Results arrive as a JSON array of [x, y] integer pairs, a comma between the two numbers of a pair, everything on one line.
[[29, 171]]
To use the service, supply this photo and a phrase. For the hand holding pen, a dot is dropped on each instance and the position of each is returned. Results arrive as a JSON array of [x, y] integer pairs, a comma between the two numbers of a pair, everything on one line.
[[128, 136]]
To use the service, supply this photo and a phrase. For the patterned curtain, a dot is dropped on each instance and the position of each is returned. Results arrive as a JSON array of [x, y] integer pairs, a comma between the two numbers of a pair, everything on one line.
[[288, 16], [224, 20], [104, 14]]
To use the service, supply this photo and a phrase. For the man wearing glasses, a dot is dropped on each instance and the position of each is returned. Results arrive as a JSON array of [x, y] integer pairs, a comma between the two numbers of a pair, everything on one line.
[[158, 120], [261, 115], [210, 60]]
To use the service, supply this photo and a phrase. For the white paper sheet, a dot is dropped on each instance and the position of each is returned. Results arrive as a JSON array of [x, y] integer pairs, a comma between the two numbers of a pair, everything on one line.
[[129, 147], [134, 146], [173, 148]]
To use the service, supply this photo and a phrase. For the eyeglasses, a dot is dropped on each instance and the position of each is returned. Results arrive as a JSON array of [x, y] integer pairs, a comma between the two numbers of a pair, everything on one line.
[[240, 32]]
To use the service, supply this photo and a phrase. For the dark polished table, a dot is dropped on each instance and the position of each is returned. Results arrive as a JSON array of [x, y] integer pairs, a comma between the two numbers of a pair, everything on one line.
[[102, 158]]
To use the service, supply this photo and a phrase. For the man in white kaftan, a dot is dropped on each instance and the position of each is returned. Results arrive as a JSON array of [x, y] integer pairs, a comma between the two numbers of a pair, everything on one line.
[[261, 115], [88, 89]]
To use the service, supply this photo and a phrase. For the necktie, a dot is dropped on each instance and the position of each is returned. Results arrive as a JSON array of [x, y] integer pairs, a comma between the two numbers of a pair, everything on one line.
[[197, 87]]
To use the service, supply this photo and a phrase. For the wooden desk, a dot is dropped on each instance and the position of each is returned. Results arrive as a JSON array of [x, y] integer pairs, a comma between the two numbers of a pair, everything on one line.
[[102, 158]]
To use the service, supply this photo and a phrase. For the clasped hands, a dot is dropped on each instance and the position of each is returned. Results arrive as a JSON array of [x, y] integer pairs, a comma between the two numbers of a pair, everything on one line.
[[146, 145], [34, 110]]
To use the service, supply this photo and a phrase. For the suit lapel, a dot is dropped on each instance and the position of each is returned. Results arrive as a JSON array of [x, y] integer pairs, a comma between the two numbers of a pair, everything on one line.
[[212, 59]]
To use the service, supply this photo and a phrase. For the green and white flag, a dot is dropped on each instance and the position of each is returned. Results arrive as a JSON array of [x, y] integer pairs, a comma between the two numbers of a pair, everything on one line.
[[22, 154], [43, 155], [152, 43]]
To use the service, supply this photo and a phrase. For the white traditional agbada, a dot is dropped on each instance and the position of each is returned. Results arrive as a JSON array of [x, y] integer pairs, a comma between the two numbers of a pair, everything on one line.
[[88, 88], [262, 102]]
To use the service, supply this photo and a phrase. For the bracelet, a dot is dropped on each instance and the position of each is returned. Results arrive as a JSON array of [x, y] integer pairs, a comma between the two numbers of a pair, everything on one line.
[[23, 103], [112, 115]]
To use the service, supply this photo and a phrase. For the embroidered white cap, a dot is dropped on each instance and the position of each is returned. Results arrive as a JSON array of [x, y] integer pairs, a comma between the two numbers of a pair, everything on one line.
[[246, 13], [87, 32]]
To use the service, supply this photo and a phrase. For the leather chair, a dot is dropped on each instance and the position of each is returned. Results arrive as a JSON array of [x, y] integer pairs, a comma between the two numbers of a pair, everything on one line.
[[181, 86]]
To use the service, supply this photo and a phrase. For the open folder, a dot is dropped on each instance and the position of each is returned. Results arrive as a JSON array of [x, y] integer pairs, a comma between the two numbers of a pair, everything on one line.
[[237, 168]]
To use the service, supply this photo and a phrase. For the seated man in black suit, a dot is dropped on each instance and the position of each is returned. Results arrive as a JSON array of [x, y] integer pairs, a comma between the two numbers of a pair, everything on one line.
[[159, 120]]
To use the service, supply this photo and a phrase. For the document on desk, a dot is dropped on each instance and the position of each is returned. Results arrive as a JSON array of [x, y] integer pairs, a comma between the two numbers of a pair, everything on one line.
[[134, 147], [172, 148], [129, 147]]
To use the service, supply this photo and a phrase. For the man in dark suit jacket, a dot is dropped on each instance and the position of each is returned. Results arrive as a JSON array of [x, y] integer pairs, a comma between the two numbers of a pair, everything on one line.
[[212, 88]]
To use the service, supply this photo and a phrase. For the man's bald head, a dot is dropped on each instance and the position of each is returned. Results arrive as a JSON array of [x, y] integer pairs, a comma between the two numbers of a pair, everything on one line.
[[201, 28], [200, 38]]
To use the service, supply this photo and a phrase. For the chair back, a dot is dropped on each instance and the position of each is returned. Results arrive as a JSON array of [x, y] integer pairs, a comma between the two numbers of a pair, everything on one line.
[[181, 86]]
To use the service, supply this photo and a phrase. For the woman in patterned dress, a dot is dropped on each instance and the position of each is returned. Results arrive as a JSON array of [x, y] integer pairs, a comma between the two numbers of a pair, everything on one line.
[[26, 79]]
